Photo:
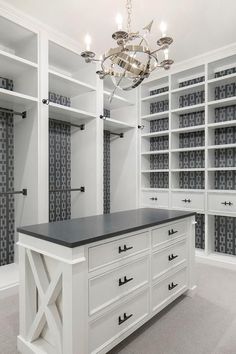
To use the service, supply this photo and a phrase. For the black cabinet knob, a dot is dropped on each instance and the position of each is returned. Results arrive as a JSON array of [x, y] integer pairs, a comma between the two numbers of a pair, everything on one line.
[[45, 101], [171, 257]]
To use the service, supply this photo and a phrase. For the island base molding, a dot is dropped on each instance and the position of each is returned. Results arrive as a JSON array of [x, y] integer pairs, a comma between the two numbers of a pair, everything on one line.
[[87, 299]]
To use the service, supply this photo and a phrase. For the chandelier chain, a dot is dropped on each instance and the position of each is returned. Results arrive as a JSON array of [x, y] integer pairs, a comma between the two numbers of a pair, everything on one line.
[[129, 13]]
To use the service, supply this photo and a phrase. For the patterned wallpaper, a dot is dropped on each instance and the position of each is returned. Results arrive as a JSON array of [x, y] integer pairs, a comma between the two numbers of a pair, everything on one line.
[[225, 157], [158, 125], [106, 172], [192, 180], [7, 217], [225, 72], [159, 162], [159, 106], [192, 159], [159, 90], [191, 119], [225, 91], [159, 143], [225, 234], [225, 180], [59, 170], [192, 99], [192, 81], [200, 231], [193, 139], [223, 114], [159, 180], [225, 136]]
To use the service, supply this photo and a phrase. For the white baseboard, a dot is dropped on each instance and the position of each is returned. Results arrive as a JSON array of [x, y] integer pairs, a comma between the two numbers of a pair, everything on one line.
[[218, 260], [9, 280]]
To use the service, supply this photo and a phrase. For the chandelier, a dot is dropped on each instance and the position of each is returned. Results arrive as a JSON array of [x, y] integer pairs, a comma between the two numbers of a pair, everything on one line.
[[132, 60]]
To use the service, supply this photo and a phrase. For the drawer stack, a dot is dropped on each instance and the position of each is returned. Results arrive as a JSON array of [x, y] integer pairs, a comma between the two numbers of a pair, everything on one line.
[[131, 279]]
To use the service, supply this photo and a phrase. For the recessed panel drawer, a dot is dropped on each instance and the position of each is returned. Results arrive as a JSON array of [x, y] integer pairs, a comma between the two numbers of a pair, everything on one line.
[[111, 325], [110, 252], [165, 234], [167, 288], [189, 201], [158, 199], [114, 285], [222, 202], [168, 258]]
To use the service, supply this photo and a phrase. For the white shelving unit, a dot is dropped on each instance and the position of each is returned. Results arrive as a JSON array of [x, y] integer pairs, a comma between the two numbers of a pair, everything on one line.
[[207, 200]]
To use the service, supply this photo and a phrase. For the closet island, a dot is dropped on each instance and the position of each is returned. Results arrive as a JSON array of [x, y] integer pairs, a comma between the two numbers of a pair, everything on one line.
[[88, 283]]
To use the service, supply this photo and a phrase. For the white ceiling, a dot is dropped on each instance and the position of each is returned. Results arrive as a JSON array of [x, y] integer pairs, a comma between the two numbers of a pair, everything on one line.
[[197, 26]]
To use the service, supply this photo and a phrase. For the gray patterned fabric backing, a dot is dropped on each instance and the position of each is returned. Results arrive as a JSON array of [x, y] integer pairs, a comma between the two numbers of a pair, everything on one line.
[[192, 99], [59, 170], [159, 143], [160, 106], [225, 136], [106, 172], [225, 157], [192, 81], [225, 180], [158, 125], [225, 234], [225, 72], [7, 212], [200, 231], [223, 114]]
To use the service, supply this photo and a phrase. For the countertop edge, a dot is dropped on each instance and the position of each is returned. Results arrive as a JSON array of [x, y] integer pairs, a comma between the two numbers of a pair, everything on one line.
[[101, 237]]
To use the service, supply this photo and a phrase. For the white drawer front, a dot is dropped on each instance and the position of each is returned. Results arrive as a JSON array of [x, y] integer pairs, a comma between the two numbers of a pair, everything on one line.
[[108, 327], [117, 250], [112, 286], [168, 258], [158, 199], [190, 201], [167, 288], [222, 202], [165, 234]]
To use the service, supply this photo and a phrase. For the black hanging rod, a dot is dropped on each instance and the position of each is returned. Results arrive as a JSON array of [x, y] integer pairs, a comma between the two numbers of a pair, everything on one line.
[[121, 135], [21, 114], [81, 189], [23, 192], [81, 126]]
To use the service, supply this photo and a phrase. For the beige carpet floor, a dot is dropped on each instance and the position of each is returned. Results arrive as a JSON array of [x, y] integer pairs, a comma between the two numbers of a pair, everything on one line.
[[204, 324]]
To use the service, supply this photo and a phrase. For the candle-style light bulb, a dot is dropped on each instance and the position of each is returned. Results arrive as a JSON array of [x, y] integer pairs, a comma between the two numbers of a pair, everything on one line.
[[88, 41], [119, 21], [163, 28], [166, 53]]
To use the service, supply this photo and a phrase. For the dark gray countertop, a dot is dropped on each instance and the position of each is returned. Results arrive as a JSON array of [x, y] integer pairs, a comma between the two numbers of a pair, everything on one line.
[[78, 232]]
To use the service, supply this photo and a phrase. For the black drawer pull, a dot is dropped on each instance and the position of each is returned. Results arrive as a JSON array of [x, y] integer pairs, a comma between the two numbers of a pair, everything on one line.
[[227, 203], [172, 232], [120, 320], [171, 257], [153, 198], [124, 249], [186, 200], [122, 282], [172, 286]]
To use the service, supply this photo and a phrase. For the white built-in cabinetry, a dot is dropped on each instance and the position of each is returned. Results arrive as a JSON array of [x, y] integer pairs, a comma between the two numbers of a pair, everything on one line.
[[206, 184]]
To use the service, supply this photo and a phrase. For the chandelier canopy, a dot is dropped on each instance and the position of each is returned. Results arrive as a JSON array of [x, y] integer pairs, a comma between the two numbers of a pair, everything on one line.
[[132, 60]]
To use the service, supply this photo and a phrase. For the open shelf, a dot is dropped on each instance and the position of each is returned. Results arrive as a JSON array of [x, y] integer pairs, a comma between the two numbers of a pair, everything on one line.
[[16, 101], [116, 126], [223, 146], [189, 129], [155, 152], [154, 134], [117, 101], [189, 88], [157, 170], [187, 169], [154, 98], [222, 103], [222, 80], [67, 86], [228, 123], [72, 115], [189, 109], [158, 115]]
